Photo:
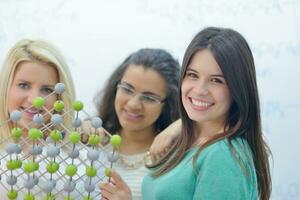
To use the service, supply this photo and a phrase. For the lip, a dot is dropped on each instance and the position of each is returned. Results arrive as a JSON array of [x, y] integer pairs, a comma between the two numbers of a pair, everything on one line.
[[132, 116], [29, 112], [200, 105]]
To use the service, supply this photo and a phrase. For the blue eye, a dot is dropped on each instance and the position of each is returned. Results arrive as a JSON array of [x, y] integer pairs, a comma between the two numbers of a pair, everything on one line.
[[23, 85], [47, 90]]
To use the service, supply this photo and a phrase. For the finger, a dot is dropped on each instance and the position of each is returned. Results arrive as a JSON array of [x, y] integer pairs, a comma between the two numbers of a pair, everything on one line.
[[154, 158], [112, 181], [101, 132], [155, 146], [84, 137], [118, 179], [108, 187], [106, 195], [103, 136]]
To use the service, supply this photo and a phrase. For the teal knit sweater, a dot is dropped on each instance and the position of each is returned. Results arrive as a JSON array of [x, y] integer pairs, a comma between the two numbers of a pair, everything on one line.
[[217, 175]]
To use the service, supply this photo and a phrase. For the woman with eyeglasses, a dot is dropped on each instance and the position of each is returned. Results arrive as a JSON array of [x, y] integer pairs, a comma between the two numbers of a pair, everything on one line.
[[138, 102]]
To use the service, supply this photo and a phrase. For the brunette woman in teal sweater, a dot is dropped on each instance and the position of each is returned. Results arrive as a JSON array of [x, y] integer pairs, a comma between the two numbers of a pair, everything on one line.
[[220, 153]]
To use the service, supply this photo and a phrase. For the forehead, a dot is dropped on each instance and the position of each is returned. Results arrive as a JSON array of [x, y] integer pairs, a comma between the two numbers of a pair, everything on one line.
[[144, 79], [36, 71], [204, 61]]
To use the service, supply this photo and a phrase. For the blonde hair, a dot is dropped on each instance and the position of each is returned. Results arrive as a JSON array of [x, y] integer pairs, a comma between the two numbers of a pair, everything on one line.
[[39, 51]]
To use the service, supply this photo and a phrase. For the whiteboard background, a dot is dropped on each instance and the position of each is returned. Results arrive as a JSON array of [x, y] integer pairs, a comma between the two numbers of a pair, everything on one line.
[[96, 35]]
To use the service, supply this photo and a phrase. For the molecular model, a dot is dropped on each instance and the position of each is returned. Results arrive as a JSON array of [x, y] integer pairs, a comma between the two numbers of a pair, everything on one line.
[[51, 162]]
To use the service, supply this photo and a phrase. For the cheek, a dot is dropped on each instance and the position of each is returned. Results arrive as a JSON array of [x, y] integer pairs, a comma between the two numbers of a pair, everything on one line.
[[118, 103], [223, 95], [153, 114], [50, 101], [13, 99], [185, 87]]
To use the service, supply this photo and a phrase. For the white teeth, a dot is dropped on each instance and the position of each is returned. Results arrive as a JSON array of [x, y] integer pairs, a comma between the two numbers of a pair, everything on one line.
[[200, 103], [32, 111]]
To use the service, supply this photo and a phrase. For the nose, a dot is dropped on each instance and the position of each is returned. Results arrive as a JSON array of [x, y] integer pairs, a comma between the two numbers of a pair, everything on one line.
[[32, 94], [202, 87], [134, 102]]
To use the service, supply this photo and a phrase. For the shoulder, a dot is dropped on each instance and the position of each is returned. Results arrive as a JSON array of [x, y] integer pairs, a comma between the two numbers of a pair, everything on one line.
[[226, 163], [226, 153]]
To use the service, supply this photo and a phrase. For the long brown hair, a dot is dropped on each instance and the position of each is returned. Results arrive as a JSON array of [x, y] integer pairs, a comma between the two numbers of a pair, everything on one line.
[[235, 59]]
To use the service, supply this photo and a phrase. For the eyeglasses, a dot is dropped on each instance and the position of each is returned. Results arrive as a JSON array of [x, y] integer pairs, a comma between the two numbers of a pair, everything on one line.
[[144, 98]]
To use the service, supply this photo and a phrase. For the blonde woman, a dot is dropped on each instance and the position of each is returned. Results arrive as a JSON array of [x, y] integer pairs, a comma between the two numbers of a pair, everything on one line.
[[36, 55], [32, 68]]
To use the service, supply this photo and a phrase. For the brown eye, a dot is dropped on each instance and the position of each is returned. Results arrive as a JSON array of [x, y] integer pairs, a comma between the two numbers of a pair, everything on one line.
[[216, 80], [191, 75], [126, 90], [149, 99]]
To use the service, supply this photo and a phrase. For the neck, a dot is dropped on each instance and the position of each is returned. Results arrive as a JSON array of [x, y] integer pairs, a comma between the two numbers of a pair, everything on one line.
[[207, 131], [134, 142]]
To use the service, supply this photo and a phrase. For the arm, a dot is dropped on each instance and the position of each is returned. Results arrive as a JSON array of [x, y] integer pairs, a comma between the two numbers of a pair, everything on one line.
[[117, 189], [163, 141]]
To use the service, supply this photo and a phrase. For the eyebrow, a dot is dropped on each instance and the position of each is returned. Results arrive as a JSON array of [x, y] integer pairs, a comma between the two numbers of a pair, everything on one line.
[[189, 69], [50, 86], [45, 85], [146, 92], [214, 75], [218, 75]]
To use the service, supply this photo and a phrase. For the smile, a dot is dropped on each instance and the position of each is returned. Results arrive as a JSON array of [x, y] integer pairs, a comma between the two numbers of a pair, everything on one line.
[[200, 105], [132, 116]]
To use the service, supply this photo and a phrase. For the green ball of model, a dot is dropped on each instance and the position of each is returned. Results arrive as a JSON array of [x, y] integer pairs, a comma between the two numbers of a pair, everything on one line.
[[78, 105], [116, 141], [38, 102], [31, 166], [59, 106], [74, 137], [107, 172], [16, 133], [36, 166], [94, 139], [71, 170], [11, 165], [91, 171], [18, 163], [29, 196], [12, 194], [56, 135], [35, 134], [52, 167]]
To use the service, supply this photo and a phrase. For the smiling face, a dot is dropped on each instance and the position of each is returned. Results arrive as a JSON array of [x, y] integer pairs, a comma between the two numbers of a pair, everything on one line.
[[205, 95], [136, 112], [31, 79]]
